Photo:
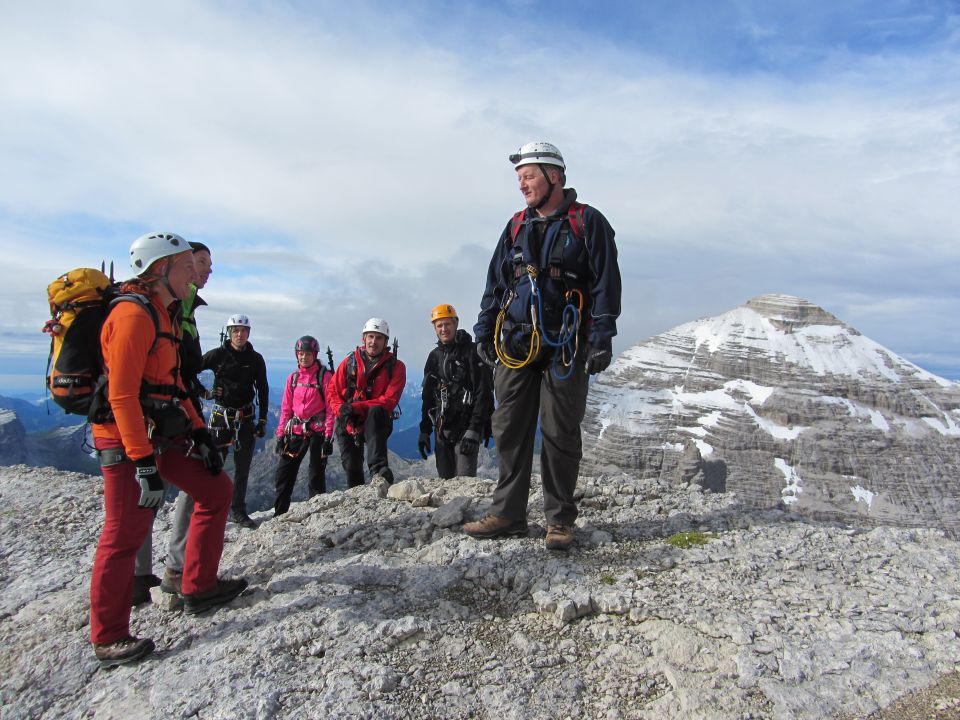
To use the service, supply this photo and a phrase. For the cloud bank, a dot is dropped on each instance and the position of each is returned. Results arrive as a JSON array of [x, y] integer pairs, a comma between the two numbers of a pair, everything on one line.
[[348, 163]]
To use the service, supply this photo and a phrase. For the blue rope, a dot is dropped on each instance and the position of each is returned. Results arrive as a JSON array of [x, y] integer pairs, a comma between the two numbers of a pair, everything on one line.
[[566, 337]]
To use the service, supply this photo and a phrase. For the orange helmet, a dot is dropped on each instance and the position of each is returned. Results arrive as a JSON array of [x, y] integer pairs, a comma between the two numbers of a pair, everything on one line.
[[443, 311]]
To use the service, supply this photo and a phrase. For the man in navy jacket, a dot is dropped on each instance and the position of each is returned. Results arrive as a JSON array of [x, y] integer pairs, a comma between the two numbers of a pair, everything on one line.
[[548, 315]]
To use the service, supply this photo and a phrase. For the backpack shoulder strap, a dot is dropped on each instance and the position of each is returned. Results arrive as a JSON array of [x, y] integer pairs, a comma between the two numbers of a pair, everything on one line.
[[573, 223], [145, 303], [575, 217], [319, 384], [516, 222]]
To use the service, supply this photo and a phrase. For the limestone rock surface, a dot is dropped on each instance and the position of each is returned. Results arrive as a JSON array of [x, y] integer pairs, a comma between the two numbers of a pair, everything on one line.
[[367, 605]]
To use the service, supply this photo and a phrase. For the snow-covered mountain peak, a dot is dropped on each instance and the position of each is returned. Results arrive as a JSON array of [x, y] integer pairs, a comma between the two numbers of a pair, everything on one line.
[[782, 401], [789, 333]]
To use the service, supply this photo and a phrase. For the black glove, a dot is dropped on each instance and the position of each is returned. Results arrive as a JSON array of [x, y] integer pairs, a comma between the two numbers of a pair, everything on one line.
[[151, 484], [346, 410], [423, 445], [206, 450], [598, 357], [261, 430], [487, 352], [278, 448], [470, 442], [326, 450]]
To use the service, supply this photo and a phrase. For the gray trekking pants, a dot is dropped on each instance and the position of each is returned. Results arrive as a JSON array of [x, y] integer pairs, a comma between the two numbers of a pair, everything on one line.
[[143, 563], [179, 523], [522, 396], [453, 463]]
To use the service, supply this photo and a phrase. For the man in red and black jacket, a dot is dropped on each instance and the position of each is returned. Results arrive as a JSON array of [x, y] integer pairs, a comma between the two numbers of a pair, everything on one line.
[[366, 390]]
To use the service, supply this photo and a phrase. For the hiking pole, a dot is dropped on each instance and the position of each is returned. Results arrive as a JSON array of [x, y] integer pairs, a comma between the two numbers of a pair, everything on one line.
[[395, 345], [330, 358]]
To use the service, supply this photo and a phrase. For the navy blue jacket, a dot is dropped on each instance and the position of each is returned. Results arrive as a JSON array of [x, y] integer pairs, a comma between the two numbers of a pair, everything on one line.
[[593, 259]]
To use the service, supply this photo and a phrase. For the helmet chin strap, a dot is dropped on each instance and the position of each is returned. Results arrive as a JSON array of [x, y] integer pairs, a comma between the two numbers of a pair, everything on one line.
[[166, 279], [549, 189]]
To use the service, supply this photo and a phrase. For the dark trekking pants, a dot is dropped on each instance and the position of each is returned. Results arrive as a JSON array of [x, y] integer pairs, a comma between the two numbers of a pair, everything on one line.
[[242, 457], [288, 467], [452, 463], [376, 429], [523, 395]]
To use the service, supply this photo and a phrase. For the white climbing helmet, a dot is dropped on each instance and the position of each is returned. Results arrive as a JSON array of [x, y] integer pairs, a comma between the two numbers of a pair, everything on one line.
[[149, 248], [377, 325], [538, 153], [238, 321]]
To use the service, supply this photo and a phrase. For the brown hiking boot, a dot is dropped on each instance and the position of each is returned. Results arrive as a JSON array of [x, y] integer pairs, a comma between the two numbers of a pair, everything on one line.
[[141, 588], [559, 537], [493, 526], [223, 592], [171, 582], [121, 652]]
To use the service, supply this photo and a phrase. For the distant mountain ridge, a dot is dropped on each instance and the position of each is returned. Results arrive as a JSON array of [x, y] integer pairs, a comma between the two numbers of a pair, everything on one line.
[[784, 403]]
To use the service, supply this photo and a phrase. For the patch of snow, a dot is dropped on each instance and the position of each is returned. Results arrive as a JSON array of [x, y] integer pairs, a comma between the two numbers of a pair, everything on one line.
[[862, 495], [778, 431], [698, 431], [950, 428], [878, 420], [604, 424], [704, 448], [675, 447], [757, 393], [710, 420], [831, 400], [793, 488]]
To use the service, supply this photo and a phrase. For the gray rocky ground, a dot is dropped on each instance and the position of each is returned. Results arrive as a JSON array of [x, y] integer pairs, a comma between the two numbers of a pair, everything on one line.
[[373, 604]]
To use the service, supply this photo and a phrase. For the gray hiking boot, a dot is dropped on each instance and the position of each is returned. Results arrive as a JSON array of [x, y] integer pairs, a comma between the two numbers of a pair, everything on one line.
[[171, 582], [122, 652], [223, 592]]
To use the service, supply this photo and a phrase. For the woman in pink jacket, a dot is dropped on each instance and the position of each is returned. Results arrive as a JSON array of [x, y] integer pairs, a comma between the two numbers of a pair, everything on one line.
[[306, 423]]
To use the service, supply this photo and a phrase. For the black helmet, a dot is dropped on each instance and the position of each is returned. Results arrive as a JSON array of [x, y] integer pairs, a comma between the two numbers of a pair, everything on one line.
[[307, 343]]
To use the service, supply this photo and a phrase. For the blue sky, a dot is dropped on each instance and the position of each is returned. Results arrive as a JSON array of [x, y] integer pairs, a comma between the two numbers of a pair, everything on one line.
[[349, 161]]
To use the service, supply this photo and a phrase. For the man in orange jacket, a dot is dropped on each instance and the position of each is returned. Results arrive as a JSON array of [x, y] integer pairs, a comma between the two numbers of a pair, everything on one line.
[[366, 390]]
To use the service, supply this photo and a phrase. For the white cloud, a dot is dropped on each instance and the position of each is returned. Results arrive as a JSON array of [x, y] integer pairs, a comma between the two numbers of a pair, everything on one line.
[[346, 163]]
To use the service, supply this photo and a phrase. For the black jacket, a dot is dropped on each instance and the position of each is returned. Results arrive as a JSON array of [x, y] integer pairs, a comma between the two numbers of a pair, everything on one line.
[[456, 367], [592, 260], [240, 375]]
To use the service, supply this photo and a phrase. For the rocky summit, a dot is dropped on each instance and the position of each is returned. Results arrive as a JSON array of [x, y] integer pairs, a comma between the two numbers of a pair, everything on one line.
[[674, 602], [786, 405]]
